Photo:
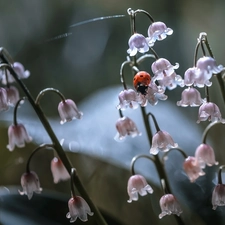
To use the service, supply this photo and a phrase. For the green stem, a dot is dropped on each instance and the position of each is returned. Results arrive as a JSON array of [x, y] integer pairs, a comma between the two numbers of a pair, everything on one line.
[[15, 111], [61, 153]]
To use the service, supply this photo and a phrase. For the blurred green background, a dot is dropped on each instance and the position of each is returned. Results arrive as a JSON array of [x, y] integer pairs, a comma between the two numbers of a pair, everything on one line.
[[89, 60]]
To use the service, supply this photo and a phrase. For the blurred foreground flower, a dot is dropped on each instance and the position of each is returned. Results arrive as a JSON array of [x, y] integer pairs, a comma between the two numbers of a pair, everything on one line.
[[169, 205], [137, 184], [59, 171], [78, 208], [3, 100], [30, 184], [192, 168]]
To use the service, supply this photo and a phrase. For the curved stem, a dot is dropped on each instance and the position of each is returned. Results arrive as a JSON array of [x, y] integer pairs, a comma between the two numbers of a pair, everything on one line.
[[44, 146], [196, 52], [15, 110], [154, 53], [131, 13], [42, 93], [122, 74], [142, 58], [121, 114], [146, 13], [155, 121], [207, 129], [136, 158], [99, 219], [178, 149]]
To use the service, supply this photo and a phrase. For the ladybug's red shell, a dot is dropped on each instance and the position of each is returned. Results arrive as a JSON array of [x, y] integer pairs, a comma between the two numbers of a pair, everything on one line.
[[141, 81]]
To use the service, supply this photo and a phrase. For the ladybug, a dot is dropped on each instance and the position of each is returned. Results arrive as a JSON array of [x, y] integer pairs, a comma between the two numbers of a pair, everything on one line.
[[141, 81]]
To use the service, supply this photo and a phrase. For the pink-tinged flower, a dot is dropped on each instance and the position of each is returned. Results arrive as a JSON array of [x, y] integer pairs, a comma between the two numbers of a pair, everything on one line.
[[192, 168], [155, 93], [157, 31], [78, 208], [209, 111], [137, 184], [59, 171], [169, 205], [165, 74], [137, 43], [125, 126], [3, 100], [190, 76], [20, 71], [190, 97], [17, 136], [128, 98], [218, 196], [30, 184], [205, 155], [68, 111], [162, 141], [12, 95]]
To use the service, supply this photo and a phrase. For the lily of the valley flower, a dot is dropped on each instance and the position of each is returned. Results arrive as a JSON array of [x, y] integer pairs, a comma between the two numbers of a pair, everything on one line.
[[68, 111], [3, 100], [169, 205], [19, 69], [137, 43], [165, 74], [128, 98], [125, 126], [78, 208], [137, 184], [162, 141], [30, 184], [157, 31], [218, 196], [192, 168], [12, 95], [59, 171], [190, 97], [18, 136], [155, 93], [205, 155], [209, 111]]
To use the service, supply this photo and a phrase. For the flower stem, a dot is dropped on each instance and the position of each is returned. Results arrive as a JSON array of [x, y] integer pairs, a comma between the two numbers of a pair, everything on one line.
[[220, 174], [61, 153], [15, 110]]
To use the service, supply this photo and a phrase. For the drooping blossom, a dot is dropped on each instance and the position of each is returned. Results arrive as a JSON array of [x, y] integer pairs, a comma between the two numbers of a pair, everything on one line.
[[137, 43], [78, 208], [125, 126], [20, 71], [190, 77], [218, 196], [190, 97], [165, 74], [192, 168], [155, 93], [162, 141], [157, 31], [12, 95], [3, 100], [209, 111], [128, 98], [207, 67], [59, 171], [18, 136], [137, 184], [68, 111], [30, 184], [205, 155], [169, 205]]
